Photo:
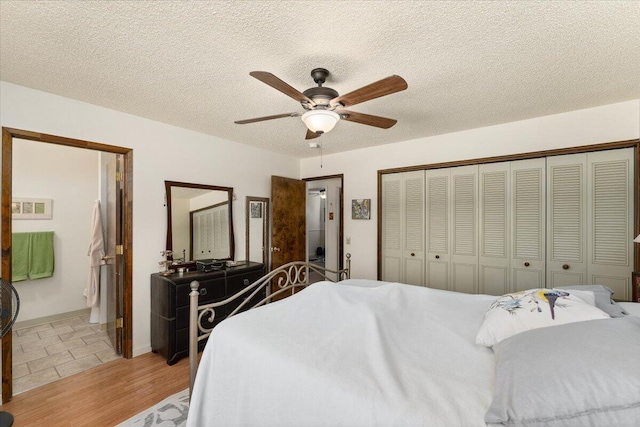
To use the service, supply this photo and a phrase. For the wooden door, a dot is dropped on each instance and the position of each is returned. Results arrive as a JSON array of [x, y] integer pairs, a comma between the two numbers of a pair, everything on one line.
[[494, 258], [437, 228], [610, 208], [288, 227], [528, 224], [566, 220], [464, 229], [391, 228], [403, 228], [413, 228], [114, 257]]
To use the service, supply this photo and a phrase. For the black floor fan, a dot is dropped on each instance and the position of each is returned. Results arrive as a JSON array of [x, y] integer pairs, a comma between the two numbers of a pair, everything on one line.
[[9, 306]]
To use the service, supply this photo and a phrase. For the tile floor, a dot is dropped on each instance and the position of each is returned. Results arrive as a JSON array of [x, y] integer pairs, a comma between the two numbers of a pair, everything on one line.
[[50, 351]]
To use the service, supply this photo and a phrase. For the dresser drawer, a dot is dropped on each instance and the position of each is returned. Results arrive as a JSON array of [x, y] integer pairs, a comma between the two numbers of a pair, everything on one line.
[[237, 282], [210, 291]]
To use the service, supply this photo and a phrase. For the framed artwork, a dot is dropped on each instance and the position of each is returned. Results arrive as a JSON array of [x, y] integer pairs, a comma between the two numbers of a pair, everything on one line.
[[29, 208], [361, 209], [635, 286], [256, 210]]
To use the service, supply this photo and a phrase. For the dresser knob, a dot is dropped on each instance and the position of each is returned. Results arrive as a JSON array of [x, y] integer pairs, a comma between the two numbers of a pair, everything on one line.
[[565, 267], [413, 254], [203, 291], [437, 256], [526, 264]]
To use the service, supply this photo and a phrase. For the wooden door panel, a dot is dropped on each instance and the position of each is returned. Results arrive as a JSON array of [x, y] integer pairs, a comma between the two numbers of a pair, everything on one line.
[[528, 225], [566, 220], [114, 261], [494, 225], [288, 227]]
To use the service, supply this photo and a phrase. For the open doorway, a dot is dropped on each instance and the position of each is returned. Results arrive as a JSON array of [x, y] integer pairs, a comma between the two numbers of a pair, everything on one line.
[[118, 262], [324, 223]]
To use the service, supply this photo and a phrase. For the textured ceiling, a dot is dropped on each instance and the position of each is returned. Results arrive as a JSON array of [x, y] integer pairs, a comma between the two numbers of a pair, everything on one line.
[[467, 64]]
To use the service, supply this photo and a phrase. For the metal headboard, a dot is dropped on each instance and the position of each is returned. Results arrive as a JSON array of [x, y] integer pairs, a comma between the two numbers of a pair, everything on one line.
[[287, 278]]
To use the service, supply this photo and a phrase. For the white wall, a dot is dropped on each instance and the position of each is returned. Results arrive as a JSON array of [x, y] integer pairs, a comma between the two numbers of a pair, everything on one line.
[[315, 222], [70, 178], [160, 152], [615, 122]]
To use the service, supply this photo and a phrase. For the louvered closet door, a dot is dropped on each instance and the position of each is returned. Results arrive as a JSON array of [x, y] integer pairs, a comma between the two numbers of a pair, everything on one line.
[[391, 228], [413, 228], [494, 259], [437, 255], [403, 227], [527, 224], [464, 229], [610, 206], [566, 220]]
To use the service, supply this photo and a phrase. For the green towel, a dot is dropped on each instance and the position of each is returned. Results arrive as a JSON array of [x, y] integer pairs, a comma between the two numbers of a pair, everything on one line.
[[20, 256], [41, 257]]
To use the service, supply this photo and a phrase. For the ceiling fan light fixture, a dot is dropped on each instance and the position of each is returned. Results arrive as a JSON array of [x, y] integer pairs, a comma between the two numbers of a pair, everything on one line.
[[320, 121]]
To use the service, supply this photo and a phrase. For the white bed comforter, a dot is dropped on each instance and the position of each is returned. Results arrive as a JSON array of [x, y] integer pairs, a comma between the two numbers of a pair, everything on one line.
[[355, 353]]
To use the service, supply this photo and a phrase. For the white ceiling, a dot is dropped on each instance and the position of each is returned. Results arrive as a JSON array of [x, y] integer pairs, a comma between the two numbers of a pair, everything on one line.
[[467, 64]]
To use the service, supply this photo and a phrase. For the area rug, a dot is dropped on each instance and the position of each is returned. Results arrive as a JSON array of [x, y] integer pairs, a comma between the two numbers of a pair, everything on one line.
[[171, 412]]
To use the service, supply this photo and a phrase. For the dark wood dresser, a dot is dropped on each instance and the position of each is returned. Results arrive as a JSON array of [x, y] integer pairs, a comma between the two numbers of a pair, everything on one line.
[[170, 304]]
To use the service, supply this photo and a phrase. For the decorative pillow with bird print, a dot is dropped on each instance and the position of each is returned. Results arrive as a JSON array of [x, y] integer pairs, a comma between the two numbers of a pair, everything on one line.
[[521, 311]]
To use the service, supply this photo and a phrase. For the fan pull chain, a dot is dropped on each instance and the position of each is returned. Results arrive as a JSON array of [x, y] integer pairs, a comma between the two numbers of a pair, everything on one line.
[[321, 154]]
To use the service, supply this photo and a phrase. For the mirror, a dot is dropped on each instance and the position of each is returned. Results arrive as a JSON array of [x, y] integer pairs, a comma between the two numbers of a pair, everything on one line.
[[257, 226], [199, 222]]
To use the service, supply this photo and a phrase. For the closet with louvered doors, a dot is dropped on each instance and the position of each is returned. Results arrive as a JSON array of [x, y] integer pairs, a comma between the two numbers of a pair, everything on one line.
[[590, 216], [508, 226], [403, 210]]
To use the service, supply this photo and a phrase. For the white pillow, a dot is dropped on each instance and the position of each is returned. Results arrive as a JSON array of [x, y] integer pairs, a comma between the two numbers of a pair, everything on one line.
[[521, 311]]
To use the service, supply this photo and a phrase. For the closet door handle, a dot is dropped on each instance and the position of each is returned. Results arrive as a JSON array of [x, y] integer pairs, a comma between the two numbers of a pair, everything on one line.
[[565, 267]]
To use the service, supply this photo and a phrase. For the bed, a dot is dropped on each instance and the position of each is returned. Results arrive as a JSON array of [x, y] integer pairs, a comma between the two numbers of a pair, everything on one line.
[[368, 353]]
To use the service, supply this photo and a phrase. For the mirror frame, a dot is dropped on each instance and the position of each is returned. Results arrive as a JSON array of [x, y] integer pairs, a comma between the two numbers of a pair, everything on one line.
[[265, 226], [169, 184]]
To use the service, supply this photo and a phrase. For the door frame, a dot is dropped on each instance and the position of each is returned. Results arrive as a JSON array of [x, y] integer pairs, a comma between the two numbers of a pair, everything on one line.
[[339, 176], [5, 213]]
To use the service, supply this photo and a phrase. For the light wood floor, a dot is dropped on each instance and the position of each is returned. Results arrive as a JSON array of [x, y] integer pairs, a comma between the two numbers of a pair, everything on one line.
[[103, 396]]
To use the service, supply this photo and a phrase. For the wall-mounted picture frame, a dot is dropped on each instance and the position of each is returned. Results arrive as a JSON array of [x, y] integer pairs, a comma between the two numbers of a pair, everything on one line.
[[30, 208], [256, 210], [361, 209]]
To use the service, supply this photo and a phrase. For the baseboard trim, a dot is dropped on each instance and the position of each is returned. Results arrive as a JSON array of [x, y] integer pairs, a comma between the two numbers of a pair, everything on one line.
[[141, 350], [52, 318]]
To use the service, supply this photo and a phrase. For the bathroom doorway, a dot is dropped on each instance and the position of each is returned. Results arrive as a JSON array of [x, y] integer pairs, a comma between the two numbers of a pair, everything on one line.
[[324, 223], [119, 259]]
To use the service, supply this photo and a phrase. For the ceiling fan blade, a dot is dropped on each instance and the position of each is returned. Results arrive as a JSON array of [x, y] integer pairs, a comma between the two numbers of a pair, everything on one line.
[[391, 84], [311, 135], [261, 119], [283, 87], [367, 119]]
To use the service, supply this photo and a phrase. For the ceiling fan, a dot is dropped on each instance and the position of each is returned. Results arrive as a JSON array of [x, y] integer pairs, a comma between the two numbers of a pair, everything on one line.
[[324, 107]]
